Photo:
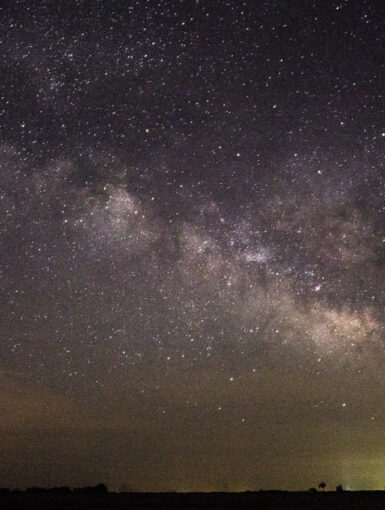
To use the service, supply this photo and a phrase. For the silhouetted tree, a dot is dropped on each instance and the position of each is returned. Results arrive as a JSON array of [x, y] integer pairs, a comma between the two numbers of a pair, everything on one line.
[[322, 485], [36, 490], [60, 490], [96, 489]]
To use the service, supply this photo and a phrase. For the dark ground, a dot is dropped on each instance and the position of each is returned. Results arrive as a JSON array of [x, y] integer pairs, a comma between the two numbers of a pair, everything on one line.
[[250, 500]]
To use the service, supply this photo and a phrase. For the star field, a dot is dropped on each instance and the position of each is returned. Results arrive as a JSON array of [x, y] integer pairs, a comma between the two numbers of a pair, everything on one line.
[[192, 244]]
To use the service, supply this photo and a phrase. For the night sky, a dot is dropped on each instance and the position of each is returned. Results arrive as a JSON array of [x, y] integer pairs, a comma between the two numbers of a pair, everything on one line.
[[192, 244]]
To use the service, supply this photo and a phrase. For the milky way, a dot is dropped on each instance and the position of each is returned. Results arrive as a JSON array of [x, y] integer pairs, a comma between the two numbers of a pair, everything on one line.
[[192, 244]]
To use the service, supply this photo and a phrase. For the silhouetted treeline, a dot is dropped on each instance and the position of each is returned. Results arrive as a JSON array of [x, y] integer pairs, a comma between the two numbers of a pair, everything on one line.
[[53, 490], [97, 497], [101, 488], [97, 489]]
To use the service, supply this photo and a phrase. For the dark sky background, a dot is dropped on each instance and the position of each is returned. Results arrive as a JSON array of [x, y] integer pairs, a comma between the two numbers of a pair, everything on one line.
[[192, 244]]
